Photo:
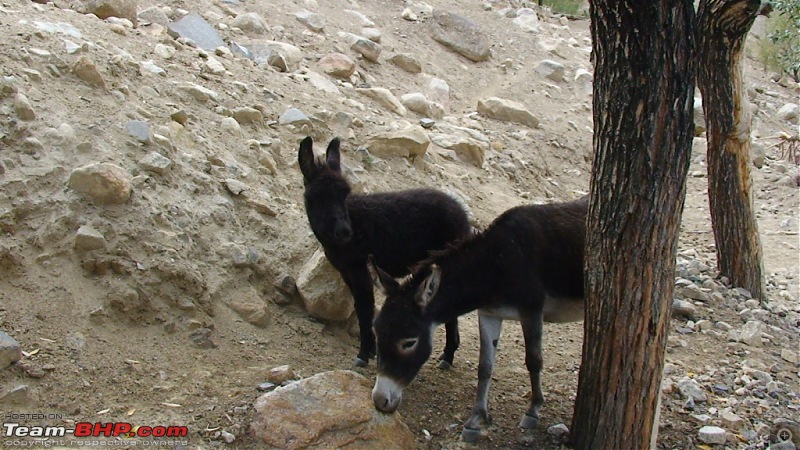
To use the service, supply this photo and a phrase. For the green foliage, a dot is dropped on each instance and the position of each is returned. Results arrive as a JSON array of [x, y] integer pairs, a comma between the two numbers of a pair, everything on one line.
[[782, 53], [570, 7]]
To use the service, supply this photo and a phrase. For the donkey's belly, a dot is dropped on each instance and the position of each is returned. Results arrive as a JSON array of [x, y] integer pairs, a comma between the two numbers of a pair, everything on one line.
[[501, 312], [560, 310]]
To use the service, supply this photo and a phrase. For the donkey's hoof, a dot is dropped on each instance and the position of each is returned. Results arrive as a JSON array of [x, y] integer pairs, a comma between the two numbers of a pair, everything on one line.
[[444, 365], [470, 434], [528, 422], [358, 362]]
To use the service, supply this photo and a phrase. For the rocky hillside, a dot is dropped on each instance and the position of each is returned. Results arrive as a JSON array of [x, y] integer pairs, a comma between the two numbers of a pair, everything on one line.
[[156, 262]]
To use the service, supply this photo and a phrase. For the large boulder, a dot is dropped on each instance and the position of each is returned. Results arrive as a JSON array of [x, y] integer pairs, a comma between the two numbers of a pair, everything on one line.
[[410, 142], [124, 9], [507, 111], [460, 34], [329, 410], [105, 183], [322, 290]]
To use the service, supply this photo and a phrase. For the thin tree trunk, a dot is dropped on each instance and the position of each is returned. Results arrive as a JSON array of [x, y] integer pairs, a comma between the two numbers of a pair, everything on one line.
[[643, 96], [722, 26]]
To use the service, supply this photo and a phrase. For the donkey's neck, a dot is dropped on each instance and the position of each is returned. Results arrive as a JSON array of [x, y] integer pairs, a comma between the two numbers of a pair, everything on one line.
[[469, 280]]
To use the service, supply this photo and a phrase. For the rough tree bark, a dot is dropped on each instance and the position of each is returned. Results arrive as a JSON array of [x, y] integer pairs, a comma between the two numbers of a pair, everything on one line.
[[643, 96], [722, 27]]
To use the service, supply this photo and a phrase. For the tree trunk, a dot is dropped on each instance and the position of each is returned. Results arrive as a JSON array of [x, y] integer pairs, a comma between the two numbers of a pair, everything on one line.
[[722, 27], [643, 97]]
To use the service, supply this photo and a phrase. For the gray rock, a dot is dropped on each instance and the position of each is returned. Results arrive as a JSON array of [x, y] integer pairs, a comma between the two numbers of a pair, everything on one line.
[[311, 20], [467, 149], [758, 155], [213, 66], [230, 125], [23, 108], [460, 34], [285, 57], [695, 293], [699, 117], [193, 26], [327, 410], [752, 332], [528, 20], [410, 142], [228, 438], [180, 116], [246, 115], [789, 112], [154, 14], [360, 18], [322, 83], [507, 110], [18, 395], [370, 50], [731, 420], [417, 103], [293, 116], [10, 350], [789, 355], [688, 387], [322, 290], [426, 122], [201, 337], [712, 435], [373, 34], [235, 187], [124, 9], [407, 62], [59, 28], [199, 93], [250, 23], [105, 183], [155, 162], [552, 70], [558, 430], [88, 239], [409, 15], [385, 98], [438, 91], [139, 130]]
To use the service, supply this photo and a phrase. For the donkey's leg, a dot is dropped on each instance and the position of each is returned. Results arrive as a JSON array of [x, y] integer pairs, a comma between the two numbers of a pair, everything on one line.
[[532, 331], [451, 345], [358, 280], [490, 328]]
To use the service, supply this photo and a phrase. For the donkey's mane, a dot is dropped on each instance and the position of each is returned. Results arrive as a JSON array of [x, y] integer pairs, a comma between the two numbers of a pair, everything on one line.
[[436, 256]]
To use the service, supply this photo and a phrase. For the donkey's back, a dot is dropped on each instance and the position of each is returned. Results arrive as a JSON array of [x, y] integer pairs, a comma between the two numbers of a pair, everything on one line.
[[401, 228], [540, 250]]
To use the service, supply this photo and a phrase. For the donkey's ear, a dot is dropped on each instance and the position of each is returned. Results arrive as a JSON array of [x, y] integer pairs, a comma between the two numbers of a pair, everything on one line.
[[429, 286], [306, 159], [382, 280], [332, 157]]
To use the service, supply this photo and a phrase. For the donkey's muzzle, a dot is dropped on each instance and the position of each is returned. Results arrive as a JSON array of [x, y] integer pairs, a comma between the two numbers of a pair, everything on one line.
[[386, 394]]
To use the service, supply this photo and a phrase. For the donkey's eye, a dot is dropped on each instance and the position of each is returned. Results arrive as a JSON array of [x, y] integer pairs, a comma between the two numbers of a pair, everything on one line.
[[407, 345]]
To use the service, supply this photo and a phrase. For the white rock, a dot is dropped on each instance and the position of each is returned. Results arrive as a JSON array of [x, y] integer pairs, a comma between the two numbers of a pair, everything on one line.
[[712, 435]]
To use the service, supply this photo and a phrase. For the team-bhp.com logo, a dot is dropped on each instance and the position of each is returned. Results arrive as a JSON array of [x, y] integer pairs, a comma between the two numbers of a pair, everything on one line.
[[97, 429]]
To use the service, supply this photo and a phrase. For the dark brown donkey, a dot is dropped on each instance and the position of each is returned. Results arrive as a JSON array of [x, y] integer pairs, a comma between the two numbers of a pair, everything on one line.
[[398, 228], [527, 266]]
